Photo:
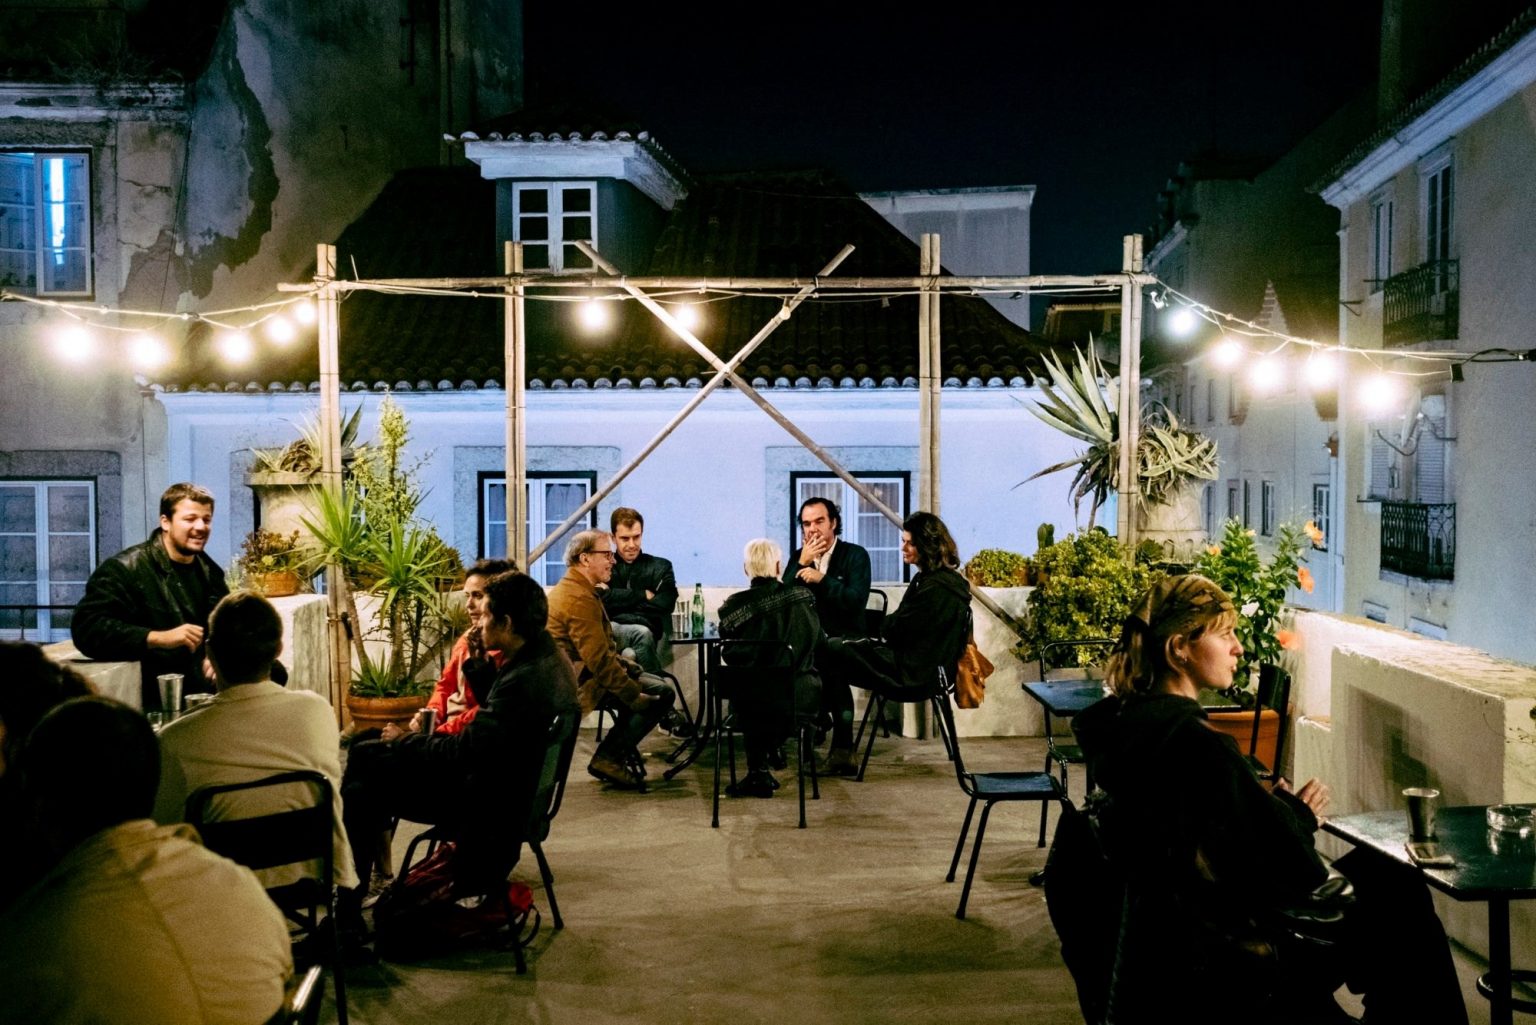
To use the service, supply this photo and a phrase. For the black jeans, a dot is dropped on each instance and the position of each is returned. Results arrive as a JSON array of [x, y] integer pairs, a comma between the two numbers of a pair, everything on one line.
[[631, 727]]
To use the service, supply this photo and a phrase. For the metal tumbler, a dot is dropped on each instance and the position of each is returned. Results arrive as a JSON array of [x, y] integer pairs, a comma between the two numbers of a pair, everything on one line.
[[170, 693], [1421, 812], [428, 721]]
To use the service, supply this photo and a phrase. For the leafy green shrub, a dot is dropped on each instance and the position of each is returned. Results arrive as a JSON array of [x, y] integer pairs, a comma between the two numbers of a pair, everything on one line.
[[995, 567], [1084, 589]]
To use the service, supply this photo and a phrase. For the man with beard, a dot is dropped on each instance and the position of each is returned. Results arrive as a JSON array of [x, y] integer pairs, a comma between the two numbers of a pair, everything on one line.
[[150, 603]]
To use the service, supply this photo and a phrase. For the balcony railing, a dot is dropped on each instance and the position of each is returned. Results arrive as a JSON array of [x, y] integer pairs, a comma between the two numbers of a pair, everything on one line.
[[1423, 304], [1419, 540]]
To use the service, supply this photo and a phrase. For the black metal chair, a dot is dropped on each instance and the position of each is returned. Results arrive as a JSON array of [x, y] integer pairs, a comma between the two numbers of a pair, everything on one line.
[[294, 836], [987, 788], [1274, 691], [758, 677], [1064, 751], [301, 999], [559, 747], [875, 607]]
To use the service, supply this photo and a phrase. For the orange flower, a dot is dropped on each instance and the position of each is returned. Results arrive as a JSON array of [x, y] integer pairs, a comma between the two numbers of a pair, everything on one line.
[[1213, 549], [1314, 534], [1289, 639], [1304, 578]]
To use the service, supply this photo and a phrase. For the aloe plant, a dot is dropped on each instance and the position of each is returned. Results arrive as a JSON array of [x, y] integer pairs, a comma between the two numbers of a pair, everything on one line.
[[1081, 403]]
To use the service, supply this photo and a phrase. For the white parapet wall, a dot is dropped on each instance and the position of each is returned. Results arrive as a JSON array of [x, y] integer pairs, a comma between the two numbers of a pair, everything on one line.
[[1387, 710]]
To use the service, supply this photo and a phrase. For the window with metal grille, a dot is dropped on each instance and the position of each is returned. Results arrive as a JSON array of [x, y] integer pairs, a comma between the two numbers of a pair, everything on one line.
[[862, 523], [47, 553], [552, 496], [45, 223]]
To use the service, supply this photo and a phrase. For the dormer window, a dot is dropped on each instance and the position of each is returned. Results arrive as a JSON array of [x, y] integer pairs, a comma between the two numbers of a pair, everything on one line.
[[548, 218]]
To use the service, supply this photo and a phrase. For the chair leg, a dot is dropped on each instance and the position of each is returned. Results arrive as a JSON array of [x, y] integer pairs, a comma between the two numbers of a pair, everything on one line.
[[714, 821], [970, 873], [808, 752], [965, 828], [800, 773], [869, 708], [338, 973], [549, 883], [877, 703], [938, 723]]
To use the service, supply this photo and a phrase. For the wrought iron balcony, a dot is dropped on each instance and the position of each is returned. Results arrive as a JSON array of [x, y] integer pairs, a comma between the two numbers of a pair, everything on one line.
[[1419, 540], [1422, 304]]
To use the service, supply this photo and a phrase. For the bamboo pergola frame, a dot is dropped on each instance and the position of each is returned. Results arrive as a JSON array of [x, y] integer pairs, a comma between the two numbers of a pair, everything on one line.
[[929, 284]]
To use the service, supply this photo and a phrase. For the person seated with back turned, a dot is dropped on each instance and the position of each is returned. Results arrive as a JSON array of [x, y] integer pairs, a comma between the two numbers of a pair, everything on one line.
[[928, 630], [1203, 851], [837, 573], [481, 780], [149, 604], [641, 594], [771, 610], [471, 669], [135, 923], [580, 625], [252, 728]]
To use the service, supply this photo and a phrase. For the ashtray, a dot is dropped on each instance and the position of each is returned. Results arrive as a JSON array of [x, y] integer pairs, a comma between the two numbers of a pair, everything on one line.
[[1519, 819]]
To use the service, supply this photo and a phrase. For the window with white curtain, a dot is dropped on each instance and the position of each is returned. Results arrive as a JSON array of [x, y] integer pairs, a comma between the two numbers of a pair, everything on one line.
[[552, 497], [47, 553]]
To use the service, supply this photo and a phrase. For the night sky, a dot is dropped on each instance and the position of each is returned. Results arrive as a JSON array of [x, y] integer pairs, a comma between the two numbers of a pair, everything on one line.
[[1095, 111]]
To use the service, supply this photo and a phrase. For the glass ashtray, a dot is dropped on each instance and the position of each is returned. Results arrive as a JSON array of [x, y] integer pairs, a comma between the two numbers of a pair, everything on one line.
[[1519, 819]]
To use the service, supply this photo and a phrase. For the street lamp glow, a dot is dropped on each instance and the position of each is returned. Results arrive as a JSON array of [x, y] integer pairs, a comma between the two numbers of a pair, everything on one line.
[[1182, 321], [75, 343], [304, 311], [687, 314], [594, 314], [1381, 393], [280, 329], [1267, 375], [236, 347], [1227, 353], [147, 352], [1322, 370]]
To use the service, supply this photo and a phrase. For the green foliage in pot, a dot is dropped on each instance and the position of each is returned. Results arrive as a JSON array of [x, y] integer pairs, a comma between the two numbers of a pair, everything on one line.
[[995, 567], [1084, 589], [1081, 404], [1257, 586], [303, 454], [265, 551]]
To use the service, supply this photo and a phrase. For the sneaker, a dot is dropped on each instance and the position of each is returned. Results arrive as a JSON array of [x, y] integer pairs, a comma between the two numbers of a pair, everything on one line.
[[840, 762], [609, 770], [677, 724], [757, 783], [376, 887]]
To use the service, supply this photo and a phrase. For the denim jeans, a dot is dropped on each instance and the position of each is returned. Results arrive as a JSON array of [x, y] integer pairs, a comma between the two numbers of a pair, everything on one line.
[[638, 638]]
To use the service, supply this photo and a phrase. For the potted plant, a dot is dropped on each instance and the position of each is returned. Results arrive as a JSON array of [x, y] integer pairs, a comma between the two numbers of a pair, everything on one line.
[[1170, 458], [371, 531], [1258, 587], [283, 478], [995, 567], [1084, 590], [269, 562]]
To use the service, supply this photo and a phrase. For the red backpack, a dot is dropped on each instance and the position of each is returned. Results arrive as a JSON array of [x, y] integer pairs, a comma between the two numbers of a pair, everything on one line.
[[418, 917]]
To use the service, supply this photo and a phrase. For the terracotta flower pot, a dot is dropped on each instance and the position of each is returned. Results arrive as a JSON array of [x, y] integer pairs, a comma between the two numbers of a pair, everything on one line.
[[1239, 726], [373, 713], [275, 585]]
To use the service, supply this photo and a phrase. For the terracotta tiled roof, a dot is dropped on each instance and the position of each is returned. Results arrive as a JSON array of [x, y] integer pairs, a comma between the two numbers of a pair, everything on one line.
[[440, 222]]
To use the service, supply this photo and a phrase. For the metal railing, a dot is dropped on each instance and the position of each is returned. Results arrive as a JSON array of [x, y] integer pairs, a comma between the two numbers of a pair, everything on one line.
[[1419, 540], [1422, 304]]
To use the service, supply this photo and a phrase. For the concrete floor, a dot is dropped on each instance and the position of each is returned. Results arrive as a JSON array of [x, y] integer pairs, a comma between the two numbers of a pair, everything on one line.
[[848, 921]]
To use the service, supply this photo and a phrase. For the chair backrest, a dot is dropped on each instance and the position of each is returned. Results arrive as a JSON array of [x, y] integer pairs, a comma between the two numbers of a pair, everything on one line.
[[875, 606], [751, 668], [1274, 691], [946, 695], [268, 840], [559, 746]]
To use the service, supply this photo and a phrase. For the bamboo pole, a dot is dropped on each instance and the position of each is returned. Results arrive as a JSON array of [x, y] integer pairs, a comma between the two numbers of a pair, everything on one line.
[[515, 358], [328, 333], [925, 393], [788, 309], [1128, 483], [941, 283]]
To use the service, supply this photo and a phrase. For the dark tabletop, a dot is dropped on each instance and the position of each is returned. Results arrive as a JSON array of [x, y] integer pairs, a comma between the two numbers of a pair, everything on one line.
[[1066, 697], [1480, 872]]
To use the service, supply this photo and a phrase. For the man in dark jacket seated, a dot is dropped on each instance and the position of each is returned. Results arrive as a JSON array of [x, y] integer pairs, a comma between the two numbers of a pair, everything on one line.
[[928, 630], [150, 603], [771, 610], [481, 780]]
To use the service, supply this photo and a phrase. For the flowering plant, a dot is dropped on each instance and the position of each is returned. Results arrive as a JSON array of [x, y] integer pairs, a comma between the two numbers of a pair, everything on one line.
[[1258, 588], [265, 551]]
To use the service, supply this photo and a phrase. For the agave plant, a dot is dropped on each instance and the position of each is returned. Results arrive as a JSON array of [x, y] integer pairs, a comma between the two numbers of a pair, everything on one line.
[[1081, 403]]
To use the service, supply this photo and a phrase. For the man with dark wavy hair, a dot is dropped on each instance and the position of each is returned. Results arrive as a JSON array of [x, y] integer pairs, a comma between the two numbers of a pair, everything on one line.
[[150, 603]]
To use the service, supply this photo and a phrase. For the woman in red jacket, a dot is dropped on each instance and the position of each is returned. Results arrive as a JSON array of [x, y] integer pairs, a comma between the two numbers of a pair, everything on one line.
[[454, 698]]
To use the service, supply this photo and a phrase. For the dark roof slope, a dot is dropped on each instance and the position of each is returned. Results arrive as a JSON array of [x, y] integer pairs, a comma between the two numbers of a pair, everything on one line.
[[440, 222]]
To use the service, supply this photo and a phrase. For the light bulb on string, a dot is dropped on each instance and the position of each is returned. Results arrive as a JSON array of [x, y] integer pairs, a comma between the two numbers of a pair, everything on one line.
[[75, 343], [1380, 393], [1182, 321], [687, 314], [1227, 353], [235, 346], [280, 329], [303, 311], [1322, 370], [1267, 375], [147, 352], [594, 314]]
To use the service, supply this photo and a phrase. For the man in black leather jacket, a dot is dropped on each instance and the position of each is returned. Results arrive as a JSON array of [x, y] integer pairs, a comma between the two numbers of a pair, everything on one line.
[[640, 595], [150, 603]]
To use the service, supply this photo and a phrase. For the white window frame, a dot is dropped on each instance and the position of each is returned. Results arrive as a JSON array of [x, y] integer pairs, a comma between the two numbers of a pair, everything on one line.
[[556, 216], [44, 631], [1382, 212], [40, 246], [1439, 238], [1322, 512], [1267, 508], [550, 566], [853, 513]]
